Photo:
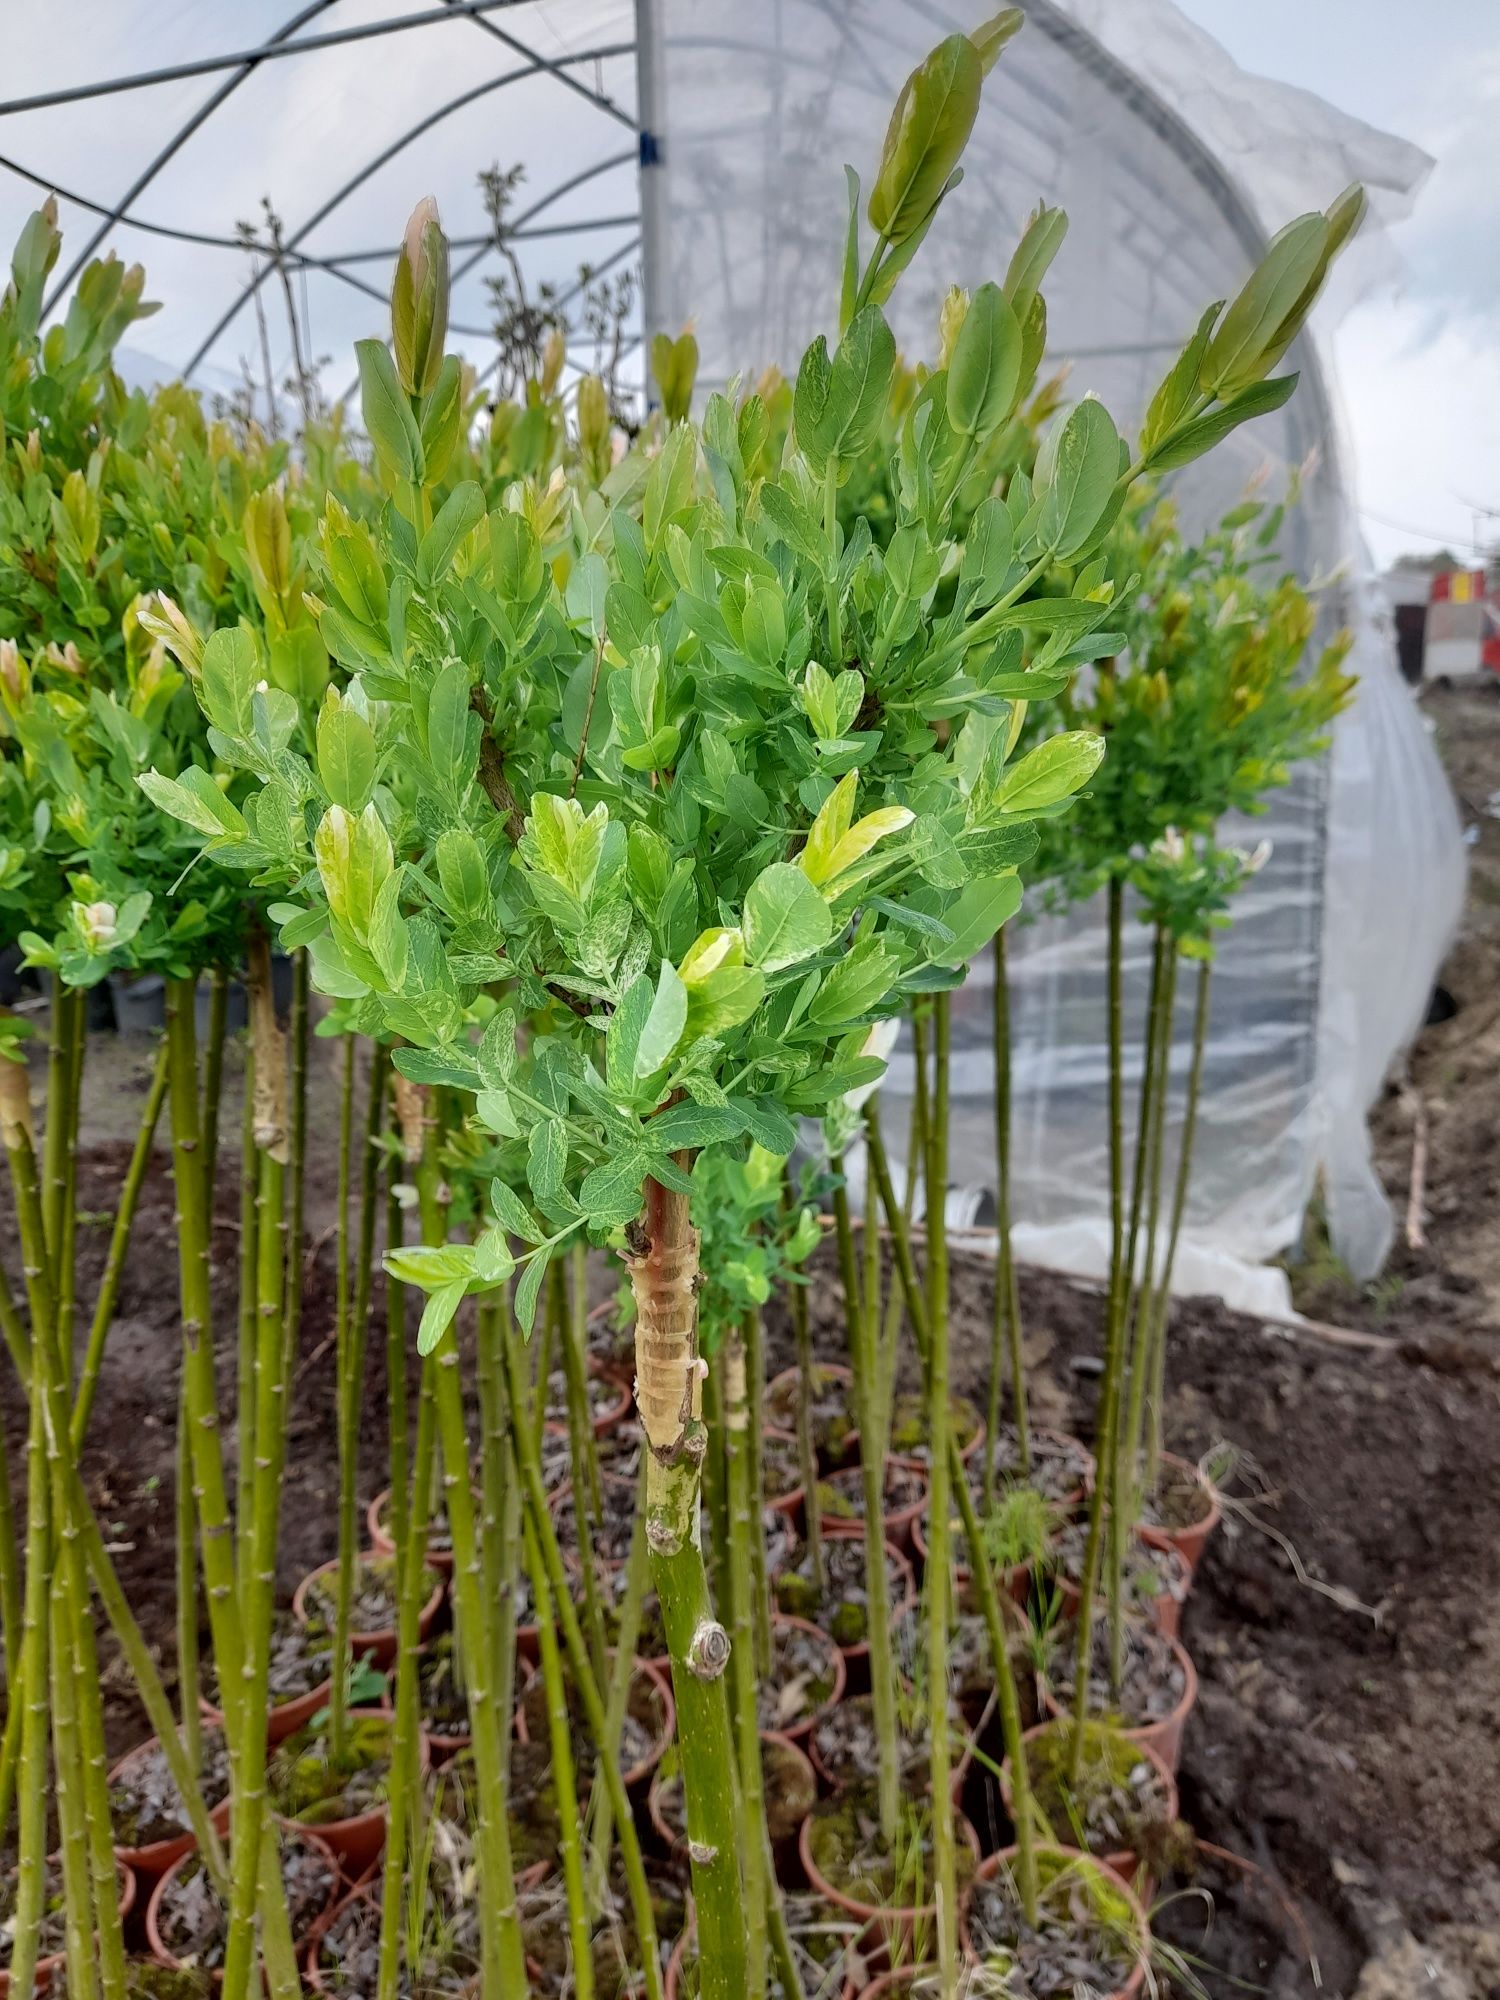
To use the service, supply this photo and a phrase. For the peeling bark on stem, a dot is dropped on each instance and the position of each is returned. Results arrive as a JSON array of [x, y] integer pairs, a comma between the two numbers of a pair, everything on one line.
[[663, 1264]]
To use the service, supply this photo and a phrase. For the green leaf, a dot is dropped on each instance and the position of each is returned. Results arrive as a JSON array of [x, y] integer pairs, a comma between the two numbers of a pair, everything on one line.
[[767, 1124], [453, 1068], [437, 1316], [1039, 244], [837, 406], [387, 938], [1180, 386], [684, 1126], [547, 1160], [512, 1213], [346, 753], [977, 914], [497, 1049], [785, 918], [622, 1037], [1077, 471], [984, 373], [1054, 770], [1194, 439], [448, 725], [611, 1194], [929, 128], [529, 1289], [457, 518], [432, 1265], [663, 1025], [387, 411], [195, 799], [231, 668], [1268, 300]]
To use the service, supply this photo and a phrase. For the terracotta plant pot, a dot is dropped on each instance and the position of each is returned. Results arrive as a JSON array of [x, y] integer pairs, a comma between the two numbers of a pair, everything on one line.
[[442, 1748], [366, 1889], [1123, 1862], [800, 1730], [381, 1543], [1065, 1445], [377, 1647], [157, 1856], [285, 1719], [1189, 1542], [159, 1950], [617, 1492], [897, 1520], [1163, 1736], [51, 1973], [356, 1842], [639, 1773], [889, 1984], [795, 1766], [901, 1607], [781, 1400], [962, 1414], [612, 1415], [849, 1991], [1006, 1857], [791, 1502], [894, 1925]]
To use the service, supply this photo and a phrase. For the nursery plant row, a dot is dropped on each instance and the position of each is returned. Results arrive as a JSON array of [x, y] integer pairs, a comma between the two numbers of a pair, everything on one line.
[[615, 790]]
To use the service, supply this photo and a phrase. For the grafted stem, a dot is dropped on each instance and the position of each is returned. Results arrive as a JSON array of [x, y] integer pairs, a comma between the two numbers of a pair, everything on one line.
[[663, 1264]]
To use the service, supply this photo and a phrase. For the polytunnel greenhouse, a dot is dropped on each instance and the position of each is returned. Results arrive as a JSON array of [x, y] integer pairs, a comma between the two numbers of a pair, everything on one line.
[[730, 1257], [682, 142]]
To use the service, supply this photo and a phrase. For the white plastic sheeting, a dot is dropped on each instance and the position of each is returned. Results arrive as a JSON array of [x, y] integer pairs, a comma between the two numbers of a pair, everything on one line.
[[1173, 167]]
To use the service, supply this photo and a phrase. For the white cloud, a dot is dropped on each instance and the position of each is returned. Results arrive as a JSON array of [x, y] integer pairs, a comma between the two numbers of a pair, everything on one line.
[[1422, 400]]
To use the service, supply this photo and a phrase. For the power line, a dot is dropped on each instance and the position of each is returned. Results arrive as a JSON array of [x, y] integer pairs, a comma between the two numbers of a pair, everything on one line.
[[1443, 540]]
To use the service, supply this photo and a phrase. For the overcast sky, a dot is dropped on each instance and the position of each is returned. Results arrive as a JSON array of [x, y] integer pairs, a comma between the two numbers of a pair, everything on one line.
[[1419, 369]]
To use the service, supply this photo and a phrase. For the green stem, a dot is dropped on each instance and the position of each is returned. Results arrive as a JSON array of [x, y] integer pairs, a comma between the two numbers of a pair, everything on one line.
[[899, 1225], [500, 1496], [249, 1818], [1138, 1323], [185, 1554], [939, 1575], [296, 1210], [743, 1531], [1007, 1324], [11, 1585], [213, 1074], [755, 1395], [119, 1243], [1107, 1427], [872, 1480], [807, 1459], [67, 1792], [564, 1785], [210, 1490], [617, 1697], [569, 1311], [504, 1961], [30, 1692], [95, 1769], [351, 1381], [831, 587], [524, 1440], [30, 1696], [408, 1518], [1163, 1303], [244, 1384], [17, 1340]]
